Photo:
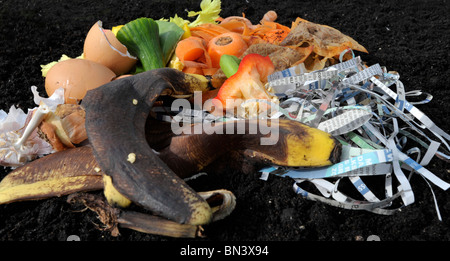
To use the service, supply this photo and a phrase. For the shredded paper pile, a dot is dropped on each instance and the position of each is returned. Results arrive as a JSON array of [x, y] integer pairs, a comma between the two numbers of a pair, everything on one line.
[[366, 109]]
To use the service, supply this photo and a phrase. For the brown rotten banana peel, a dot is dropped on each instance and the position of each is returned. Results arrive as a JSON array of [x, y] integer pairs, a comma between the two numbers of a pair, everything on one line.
[[116, 114], [140, 163], [273, 142]]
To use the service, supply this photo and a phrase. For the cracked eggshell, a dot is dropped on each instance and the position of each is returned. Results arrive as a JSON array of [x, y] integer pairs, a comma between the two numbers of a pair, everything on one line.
[[76, 76], [102, 46]]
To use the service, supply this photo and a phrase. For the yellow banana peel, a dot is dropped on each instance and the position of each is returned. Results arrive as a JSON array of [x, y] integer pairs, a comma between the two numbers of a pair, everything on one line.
[[53, 175]]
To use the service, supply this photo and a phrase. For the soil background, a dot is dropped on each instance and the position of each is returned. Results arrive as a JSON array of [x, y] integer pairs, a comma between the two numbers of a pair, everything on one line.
[[410, 37]]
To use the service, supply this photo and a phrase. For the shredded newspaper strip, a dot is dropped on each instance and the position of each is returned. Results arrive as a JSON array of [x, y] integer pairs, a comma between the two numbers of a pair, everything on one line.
[[360, 107]]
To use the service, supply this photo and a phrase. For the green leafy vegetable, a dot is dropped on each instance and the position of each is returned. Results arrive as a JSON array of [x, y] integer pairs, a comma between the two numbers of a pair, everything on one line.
[[153, 42], [141, 37], [178, 21], [209, 13], [169, 35]]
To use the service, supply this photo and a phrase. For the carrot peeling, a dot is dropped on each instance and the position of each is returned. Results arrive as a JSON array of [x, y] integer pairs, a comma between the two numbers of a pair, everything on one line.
[[190, 49], [271, 32], [193, 54], [208, 31]]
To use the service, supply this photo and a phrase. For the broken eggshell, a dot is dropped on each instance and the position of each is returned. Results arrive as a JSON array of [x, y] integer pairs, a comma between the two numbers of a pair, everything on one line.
[[102, 46], [76, 76]]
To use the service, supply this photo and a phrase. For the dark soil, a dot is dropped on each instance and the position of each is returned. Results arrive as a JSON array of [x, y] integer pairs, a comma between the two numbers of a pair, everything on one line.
[[410, 37]]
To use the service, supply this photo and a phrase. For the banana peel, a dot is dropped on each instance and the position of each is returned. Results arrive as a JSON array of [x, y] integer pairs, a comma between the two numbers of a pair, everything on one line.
[[52, 176], [221, 201], [61, 174], [289, 143], [112, 218], [153, 179], [117, 131]]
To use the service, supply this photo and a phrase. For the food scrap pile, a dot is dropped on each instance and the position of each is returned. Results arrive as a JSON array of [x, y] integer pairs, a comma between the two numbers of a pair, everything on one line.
[[303, 72]]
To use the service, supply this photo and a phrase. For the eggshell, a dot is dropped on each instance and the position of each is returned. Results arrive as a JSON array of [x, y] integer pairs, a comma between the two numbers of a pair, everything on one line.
[[76, 76], [102, 46]]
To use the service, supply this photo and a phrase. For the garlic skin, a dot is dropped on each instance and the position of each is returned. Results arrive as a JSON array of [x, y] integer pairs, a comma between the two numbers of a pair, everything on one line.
[[21, 139], [16, 149]]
